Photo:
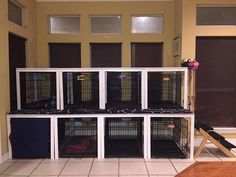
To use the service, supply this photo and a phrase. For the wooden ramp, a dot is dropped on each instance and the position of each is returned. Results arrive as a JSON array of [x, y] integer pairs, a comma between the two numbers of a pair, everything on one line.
[[209, 135]]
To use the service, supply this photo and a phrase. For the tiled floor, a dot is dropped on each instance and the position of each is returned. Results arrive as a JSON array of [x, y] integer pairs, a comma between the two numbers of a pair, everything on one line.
[[94, 168], [114, 167]]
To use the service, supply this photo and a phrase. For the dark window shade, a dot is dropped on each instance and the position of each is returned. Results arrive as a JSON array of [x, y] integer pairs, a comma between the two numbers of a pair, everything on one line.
[[65, 55], [216, 15], [15, 13], [105, 55], [147, 54]]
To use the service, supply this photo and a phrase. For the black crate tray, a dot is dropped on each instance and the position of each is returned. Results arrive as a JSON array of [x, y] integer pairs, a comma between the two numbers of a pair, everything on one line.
[[105, 111]]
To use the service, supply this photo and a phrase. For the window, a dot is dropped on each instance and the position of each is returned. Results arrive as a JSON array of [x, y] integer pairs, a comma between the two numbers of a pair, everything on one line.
[[64, 24], [105, 24], [216, 15], [147, 24], [15, 13]]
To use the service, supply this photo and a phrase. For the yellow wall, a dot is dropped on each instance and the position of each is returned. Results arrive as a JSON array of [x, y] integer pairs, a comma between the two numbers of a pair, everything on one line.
[[84, 9], [28, 32], [179, 18], [190, 31], [178, 27]]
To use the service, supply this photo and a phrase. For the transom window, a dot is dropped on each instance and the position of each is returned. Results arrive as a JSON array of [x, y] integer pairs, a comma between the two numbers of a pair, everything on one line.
[[105, 24], [147, 24], [64, 24]]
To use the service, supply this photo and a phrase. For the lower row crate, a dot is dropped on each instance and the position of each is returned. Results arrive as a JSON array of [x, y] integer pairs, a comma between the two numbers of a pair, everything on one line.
[[170, 137], [123, 137]]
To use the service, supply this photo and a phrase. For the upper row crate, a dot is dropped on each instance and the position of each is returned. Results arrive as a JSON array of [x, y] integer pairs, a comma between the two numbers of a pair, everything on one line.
[[102, 88]]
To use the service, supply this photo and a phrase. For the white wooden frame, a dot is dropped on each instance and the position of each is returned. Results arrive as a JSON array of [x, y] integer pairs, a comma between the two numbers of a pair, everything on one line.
[[103, 80], [101, 129], [58, 78], [102, 102]]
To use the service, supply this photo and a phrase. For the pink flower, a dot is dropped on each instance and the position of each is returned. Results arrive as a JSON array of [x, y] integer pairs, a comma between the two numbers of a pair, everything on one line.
[[193, 64]]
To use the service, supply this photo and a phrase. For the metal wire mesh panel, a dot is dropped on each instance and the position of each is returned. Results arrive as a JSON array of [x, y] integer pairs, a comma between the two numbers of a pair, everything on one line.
[[77, 137], [38, 90], [165, 89], [123, 90], [124, 137], [81, 90], [170, 137]]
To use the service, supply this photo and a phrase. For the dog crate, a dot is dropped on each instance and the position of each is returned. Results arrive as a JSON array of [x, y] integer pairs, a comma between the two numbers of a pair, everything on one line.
[[165, 89], [30, 138], [170, 137], [38, 90], [123, 90], [77, 137], [124, 137], [81, 90]]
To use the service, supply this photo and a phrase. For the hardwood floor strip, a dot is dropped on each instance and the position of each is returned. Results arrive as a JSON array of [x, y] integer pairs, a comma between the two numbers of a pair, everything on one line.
[[210, 169]]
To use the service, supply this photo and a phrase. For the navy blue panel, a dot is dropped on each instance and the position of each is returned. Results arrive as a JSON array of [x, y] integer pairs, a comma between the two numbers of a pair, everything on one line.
[[30, 138]]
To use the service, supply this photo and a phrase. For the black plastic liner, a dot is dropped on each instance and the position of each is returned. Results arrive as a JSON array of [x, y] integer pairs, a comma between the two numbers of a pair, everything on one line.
[[38, 90], [123, 90], [164, 90], [81, 90], [124, 137], [77, 137], [30, 138], [104, 111], [169, 138]]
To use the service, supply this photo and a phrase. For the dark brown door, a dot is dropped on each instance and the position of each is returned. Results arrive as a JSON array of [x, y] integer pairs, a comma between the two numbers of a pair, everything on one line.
[[216, 81], [17, 59], [65, 55], [147, 54], [105, 54]]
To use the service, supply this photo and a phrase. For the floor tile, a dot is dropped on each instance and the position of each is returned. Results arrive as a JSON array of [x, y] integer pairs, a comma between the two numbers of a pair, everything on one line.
[[108, 168], [13, 176], [131, 159], [76, 169], [21, 168], [134, 168], [181, 166], [42, 176], [61, 160], [182, 160], [162, 176], [206, 155], [104, 176], [133, 176], [29, 160], [202, 159], [48, 169], [4, 166], [158, 160], [72, 176], [106, 160], [10, 160], [160, 168], [80, 160]]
